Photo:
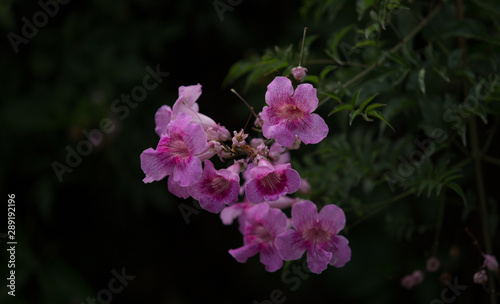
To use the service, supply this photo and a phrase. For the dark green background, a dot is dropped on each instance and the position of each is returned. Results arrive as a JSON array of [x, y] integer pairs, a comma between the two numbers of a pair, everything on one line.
[[72, 234]]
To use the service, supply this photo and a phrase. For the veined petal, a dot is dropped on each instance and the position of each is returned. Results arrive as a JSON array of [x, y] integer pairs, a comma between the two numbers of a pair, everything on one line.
[[243, 253], [154, 166], [279, 92], [318, 259], [311, 129], [304, 215], [270, 257], [332, 218], [187, 171], [290, 245], [305, 97], [342, 252], [177, 189]]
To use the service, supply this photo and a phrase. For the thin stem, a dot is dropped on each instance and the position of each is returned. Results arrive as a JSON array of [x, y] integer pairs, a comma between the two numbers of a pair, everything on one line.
[[244, 101], [302, 48], [396, 48], [382, 205], [493, 160], [439, 226]]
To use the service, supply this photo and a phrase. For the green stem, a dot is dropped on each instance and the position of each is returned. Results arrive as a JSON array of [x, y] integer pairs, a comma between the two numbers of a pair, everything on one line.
[[382, 205], [439, 225], [483, 208]]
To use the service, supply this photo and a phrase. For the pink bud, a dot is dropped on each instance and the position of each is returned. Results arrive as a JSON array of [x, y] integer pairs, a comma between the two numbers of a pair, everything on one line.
[[480, 277], [490, 262], [299, 73], [432, 264]]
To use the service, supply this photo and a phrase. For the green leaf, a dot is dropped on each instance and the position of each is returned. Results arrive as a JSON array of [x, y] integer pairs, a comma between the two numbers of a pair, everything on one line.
[[355, 98], [326, 70], [341, 107], [374, 106], [467, 28], [455, 187], [337, 37], [380, 116], [491, 6], [237, 70], [364, 43], [366, 102], [312, 78], [362, 6]]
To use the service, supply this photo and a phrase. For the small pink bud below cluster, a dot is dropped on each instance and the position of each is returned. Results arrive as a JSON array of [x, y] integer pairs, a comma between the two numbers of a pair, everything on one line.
[[432, 264], [490, 262], [411, 280], [480, 277]]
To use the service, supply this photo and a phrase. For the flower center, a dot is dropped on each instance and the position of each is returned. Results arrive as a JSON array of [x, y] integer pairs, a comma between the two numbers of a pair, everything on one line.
[[273, 182], [316, 235], [178, 148], [218, 186], [262, 234], [291, 112]]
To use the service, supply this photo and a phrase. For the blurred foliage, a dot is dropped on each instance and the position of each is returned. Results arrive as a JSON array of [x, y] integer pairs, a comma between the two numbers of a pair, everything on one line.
[[411, 175]]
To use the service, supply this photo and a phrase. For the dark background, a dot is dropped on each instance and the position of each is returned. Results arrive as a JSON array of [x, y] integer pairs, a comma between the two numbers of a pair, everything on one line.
[[101, 217]]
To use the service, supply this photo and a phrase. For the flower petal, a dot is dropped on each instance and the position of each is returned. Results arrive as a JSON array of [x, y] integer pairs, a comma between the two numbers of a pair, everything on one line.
[[187, 99], [243, 253], [177, 189], [332, 218], [311, 129], [304, 215], [154, 166], [318, 259], [279, 92], [342, 252], [270, 257], [187, 171], [162, 119], [290, 245], [305, 97]]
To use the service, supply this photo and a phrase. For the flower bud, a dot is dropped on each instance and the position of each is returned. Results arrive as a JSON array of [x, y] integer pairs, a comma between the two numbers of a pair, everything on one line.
[[299, 73], [480, 277]]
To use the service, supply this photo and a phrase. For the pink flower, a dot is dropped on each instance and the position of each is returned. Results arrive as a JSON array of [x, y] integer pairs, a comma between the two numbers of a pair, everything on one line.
[[216, 189], [289, 115], [267, 182], [176, 153], [236, 211], [316, 233], [432, 264], [490, 262], [263, 224], [480, 277], [162, 119]]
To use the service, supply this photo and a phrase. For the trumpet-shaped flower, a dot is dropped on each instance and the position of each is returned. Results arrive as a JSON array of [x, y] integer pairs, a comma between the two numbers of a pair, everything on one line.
[[316, 234], [216, 189], [290, 113], [176, 153], [268, 183], [263, 224]]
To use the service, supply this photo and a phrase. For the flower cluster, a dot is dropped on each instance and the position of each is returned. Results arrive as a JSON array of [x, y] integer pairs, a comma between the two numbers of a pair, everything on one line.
[[259, 173], [490, 263]]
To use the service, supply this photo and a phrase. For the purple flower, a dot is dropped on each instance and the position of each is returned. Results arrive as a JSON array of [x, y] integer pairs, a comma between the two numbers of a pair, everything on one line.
[[239, 211], [216, 189], [263, 224], [267, 182], [432, 264], [289, 115], [176, 153], [480, 277], [490, 262], [316, 233], [162, 119]]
